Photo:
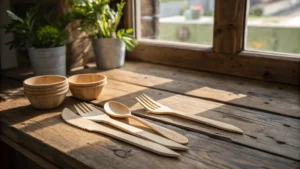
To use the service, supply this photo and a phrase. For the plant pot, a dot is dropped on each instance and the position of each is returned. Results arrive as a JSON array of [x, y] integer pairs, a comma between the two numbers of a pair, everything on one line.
[[196, 14], [109, 53], [48, 61]]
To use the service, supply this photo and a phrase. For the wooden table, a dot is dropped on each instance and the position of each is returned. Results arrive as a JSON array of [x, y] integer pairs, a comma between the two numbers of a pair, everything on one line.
[[268, 113]]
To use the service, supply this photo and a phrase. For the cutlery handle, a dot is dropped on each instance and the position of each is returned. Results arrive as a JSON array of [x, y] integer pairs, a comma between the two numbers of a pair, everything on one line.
[[170, 134], [210, 122], [144, 144], [146, 135]]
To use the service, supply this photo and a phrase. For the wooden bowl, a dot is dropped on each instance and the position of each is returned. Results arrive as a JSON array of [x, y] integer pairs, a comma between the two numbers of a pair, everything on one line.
[[46, 81], [88, 79], [87, 93], [46, 91], [46, 101]]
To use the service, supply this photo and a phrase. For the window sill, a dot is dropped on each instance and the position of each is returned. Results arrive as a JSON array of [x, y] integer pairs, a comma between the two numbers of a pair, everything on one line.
[[272, 55], [255, 65]]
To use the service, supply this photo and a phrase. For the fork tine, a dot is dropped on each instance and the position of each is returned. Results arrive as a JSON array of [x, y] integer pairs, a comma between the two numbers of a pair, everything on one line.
[[81, 113], [144, 105], [85, 105], [85, 110], [147, 102], [151, 100], [91, 107]]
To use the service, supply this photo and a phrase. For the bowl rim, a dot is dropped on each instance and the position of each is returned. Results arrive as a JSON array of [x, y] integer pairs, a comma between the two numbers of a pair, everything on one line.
[[25, 82], [87, 87], [45, 92], [63, 85], [89, 83], [49, 95]]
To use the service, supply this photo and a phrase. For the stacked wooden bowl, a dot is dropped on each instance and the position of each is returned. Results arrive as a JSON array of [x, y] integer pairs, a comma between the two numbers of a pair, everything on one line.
[[87, 86], [46, 92]]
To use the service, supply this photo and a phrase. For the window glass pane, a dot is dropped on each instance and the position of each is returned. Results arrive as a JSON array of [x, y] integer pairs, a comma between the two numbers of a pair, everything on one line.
[[274, 25], [188, 21]]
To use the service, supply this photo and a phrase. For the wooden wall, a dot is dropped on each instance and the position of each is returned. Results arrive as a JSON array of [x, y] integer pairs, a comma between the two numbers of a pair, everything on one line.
[[8, 58]]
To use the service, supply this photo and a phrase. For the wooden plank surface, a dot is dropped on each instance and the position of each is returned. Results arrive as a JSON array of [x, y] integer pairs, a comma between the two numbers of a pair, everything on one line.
[[31, 160], [264, 131], [270, 97], [229, 26], [10, 158], [69, 147], [271, 137], [10, 89]]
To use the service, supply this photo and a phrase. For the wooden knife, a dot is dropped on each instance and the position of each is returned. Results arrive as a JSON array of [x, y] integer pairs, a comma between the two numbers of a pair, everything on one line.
[[76, 120]]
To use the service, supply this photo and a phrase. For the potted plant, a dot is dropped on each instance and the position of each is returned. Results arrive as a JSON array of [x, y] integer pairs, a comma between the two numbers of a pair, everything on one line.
[[101, 22], [44, 39], [197, 11]]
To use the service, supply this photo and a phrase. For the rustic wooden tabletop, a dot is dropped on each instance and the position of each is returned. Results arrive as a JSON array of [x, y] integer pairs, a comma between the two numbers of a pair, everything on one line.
[[268, 113]]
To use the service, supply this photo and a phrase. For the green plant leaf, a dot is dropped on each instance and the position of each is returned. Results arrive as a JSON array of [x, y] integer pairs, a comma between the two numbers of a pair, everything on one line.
[[14, 16], [129, 31], [119, 14]]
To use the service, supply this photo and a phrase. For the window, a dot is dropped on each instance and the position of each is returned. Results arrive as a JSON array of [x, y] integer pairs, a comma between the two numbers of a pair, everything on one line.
[[187, 21], [234, 46], [274, 25]]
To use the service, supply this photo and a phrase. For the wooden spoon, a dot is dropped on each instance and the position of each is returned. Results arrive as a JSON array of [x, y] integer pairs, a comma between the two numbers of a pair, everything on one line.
[[118, 110]]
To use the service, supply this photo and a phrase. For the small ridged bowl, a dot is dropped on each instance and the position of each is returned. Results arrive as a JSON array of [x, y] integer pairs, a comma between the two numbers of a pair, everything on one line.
[[87, 93], [87, 80]]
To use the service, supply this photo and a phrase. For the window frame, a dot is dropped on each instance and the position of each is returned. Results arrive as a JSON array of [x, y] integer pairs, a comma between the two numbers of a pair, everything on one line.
[[226, 56]]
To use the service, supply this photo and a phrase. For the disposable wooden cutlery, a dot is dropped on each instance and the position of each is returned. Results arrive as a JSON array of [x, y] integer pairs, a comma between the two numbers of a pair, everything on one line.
[[89, 112], [75, 120], [118, 110], [157, 108]]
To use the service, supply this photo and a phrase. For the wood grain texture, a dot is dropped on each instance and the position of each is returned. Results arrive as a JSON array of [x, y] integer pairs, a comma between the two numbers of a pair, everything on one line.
[[266, 132], [229, 26], [129, 14], [164, 110], [14, 159], [167, 133], [10, 89], [267, 69], [69, 147], [33, 161], [270, 97]]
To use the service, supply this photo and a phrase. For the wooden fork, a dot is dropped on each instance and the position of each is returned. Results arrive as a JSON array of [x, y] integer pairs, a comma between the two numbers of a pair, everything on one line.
[[157, 108]]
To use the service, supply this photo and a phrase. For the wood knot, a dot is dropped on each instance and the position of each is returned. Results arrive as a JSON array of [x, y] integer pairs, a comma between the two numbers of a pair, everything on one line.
[[230, 27], [121, 153], [268, 75], [219, 31], [280, 142]]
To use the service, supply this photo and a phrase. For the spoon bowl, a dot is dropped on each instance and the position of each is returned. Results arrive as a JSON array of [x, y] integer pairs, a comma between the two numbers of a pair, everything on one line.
[[116, 109], [119, 110]]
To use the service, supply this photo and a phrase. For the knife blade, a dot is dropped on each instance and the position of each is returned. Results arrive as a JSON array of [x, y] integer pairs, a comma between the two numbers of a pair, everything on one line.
[[78, 121]]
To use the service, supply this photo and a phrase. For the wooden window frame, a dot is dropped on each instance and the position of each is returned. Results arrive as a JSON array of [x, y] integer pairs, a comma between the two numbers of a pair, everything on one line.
[[226, 56]]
